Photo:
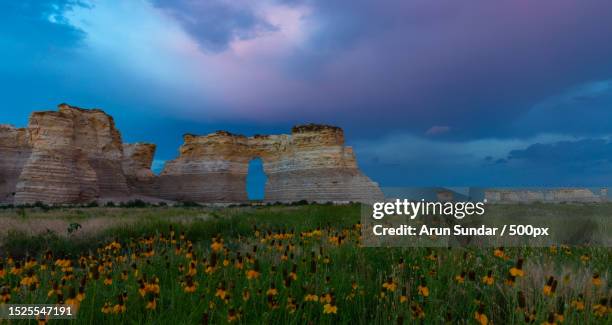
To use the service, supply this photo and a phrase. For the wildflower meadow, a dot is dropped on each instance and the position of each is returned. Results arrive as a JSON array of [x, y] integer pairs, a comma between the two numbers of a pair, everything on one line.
[[292, 265]]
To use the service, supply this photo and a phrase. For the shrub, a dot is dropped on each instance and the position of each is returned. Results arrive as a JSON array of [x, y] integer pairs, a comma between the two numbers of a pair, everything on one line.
[[190, 204], [134, 204], [300, 202]]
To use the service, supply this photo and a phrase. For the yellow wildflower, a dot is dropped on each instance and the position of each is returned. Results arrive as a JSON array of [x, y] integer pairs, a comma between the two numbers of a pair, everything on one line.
[[417, 311], [517, 271], [330, 309], [106, 309], [601, 309], [232, 315], [326, 298], [390, 285], [311, 297], [596, 280], [252, 274], [488, 279], [30, 280], [578, 303], [550, 286], [152, 303], [221, 293], [16, 269], [423, 290], [481, 318], [119, 308], [190, 286], [217, 245], [81, 294], [5, 295], [460, 278], [272, 291]]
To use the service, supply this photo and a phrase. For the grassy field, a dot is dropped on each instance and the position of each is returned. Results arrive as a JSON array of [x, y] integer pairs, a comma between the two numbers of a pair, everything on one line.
[[282, 264]]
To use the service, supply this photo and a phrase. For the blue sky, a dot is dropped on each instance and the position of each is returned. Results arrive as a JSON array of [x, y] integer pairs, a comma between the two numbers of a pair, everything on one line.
[[444, 93]]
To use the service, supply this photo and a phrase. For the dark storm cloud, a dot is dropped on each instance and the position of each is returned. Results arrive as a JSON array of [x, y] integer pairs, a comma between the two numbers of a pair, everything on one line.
[[586, 151], [581, 162], [455, 80], [480, 68], [474, 66], [216, 23], [585, 110], [586, 162]]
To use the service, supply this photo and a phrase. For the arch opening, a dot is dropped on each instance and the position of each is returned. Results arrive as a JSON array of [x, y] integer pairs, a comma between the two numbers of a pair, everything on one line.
[[256, 180]]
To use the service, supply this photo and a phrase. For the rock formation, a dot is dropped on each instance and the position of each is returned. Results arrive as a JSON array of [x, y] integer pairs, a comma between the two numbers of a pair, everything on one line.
[[313, 164], [209, 168], [137, 161], [545, 195], [310, 164], [15, 150], [76, 155]]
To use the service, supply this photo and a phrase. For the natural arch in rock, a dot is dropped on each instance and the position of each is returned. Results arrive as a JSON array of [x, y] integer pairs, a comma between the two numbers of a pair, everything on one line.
[[76, 155], [312, 163], [256, 180]]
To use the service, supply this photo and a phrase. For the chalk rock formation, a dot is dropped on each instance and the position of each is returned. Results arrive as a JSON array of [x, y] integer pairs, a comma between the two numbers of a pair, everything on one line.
[[211, 168], [310, 164], [137, 161], [558, 195], [15, 150], [76, 157]]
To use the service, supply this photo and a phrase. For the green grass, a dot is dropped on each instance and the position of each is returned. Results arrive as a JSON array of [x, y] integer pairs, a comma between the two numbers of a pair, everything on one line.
[[244, 227], [203, 224]]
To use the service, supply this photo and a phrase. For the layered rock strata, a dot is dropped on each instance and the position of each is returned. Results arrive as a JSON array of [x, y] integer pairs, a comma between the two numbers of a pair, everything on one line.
[[137, 162], [76, 157], [15, 149], [312, 163], [211, 168]]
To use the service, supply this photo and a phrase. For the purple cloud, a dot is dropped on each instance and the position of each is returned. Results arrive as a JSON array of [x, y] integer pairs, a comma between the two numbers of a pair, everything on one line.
[[216, 23], [449, 62], [498, 73], [408, 65]]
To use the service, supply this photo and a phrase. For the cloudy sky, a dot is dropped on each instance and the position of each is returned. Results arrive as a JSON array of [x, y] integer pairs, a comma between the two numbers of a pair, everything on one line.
[[430, 93]]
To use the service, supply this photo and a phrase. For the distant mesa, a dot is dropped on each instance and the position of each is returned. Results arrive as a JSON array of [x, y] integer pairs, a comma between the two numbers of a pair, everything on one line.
[[551, 195], [76, 155]]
